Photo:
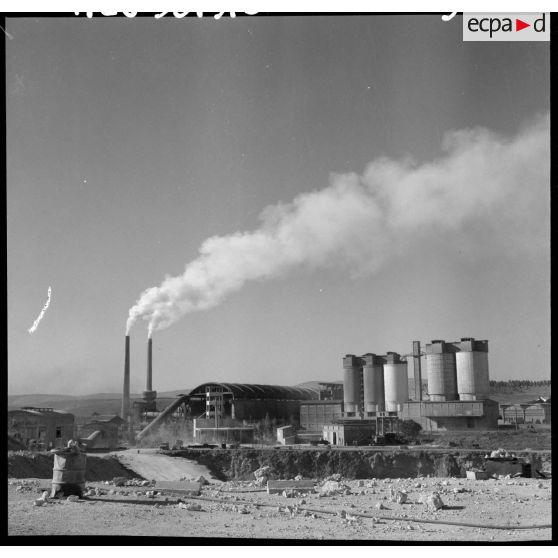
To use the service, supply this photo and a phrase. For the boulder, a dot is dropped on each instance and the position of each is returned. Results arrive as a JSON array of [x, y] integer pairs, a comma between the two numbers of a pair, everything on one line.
[[331, 487], [263, 472], [398, 496], [433, 501]]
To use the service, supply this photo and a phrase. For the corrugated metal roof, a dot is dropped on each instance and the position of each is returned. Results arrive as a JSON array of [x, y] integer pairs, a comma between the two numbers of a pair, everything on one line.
[[259, 391]]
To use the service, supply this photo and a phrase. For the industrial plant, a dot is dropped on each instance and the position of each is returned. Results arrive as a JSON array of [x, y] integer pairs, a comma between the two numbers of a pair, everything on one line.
[[370, 403]]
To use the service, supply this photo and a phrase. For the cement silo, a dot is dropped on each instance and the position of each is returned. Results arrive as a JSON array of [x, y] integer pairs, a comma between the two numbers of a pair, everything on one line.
[[441, 371], [352, 379], [472, 369], [373, 383], [396, 382]]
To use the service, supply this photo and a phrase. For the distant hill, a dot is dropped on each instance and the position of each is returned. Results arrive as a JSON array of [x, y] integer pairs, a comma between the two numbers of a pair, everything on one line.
[[518, 394], [86, 405]]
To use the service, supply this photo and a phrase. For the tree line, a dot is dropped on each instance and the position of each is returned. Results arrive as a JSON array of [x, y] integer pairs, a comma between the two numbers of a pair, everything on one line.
[[518, 383]]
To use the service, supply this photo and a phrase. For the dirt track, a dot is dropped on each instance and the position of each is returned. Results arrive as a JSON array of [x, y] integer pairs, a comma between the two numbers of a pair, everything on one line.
[[150, 464]]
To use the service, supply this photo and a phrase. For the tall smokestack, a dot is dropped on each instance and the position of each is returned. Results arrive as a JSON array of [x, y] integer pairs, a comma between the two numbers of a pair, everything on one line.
[[126, 391], [149, 384], [417, 370]]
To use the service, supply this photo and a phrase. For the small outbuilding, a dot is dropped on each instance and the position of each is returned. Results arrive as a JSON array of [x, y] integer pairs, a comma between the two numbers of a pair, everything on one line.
[[108, 430]]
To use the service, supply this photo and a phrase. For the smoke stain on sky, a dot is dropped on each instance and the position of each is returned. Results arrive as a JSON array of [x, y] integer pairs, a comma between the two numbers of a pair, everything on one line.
[[156, 116]]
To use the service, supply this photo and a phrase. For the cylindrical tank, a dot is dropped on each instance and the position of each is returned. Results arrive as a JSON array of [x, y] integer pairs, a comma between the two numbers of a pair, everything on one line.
[[68, 473], [396, 382], [373, 383], [441, 371], [352, 367], [472, 370]]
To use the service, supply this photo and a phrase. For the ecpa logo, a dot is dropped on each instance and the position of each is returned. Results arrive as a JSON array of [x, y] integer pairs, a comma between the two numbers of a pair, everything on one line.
[[506, 27]]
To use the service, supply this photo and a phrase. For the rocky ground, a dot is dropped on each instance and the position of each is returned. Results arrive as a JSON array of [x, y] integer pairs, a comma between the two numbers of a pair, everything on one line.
[[237, 509]]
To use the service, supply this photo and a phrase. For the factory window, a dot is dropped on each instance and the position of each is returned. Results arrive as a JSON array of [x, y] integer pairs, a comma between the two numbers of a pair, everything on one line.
[[59, 432]]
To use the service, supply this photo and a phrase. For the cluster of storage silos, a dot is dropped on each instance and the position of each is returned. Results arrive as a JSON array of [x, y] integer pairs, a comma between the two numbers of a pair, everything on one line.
[[374, 383], [457, 370]]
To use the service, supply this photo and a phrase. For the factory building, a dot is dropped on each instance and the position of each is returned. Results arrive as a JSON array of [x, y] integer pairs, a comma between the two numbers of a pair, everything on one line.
[[374, 384], [349, 432], [458, 388], [218, 405], [436, 416], [41, 428], [376, 388], [315, 414], [248, 401], [533, 412]]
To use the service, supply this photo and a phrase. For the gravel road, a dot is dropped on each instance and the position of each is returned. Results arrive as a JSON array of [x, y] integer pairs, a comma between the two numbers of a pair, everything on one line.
[[152, 465]]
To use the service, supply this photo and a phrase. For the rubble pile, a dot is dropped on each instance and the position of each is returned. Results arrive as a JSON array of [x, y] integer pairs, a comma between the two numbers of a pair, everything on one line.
[[333, 487], [262, 475]]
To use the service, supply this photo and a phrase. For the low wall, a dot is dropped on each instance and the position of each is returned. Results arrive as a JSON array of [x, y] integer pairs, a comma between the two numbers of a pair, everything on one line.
[[239, 464]]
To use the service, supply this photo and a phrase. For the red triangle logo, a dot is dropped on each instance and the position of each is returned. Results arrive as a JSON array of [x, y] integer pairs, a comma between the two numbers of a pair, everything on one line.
[[519, 25]]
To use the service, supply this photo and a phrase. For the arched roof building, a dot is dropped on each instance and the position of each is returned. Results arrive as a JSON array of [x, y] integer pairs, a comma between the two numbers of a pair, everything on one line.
[[257, 391], [248, 401]]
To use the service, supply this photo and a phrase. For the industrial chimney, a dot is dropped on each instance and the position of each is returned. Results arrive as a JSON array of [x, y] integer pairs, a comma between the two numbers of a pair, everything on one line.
[[149, 396], [149, 383], [125, 414]]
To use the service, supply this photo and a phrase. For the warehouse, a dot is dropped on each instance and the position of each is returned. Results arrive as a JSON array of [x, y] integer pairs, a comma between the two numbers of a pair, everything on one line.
[[41, 428], [534, 412], [230, 405], [248, 401]]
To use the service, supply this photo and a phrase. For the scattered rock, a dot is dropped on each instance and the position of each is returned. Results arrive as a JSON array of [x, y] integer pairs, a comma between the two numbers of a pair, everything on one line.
[[433, 501], [380, 506], [72, 498]]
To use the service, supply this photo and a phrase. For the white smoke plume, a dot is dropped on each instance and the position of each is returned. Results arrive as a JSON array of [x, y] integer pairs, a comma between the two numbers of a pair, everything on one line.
[[358, 220], [36, 323]]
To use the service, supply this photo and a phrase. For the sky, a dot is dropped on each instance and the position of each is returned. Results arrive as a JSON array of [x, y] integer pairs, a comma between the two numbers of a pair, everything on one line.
[[364, 182]]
